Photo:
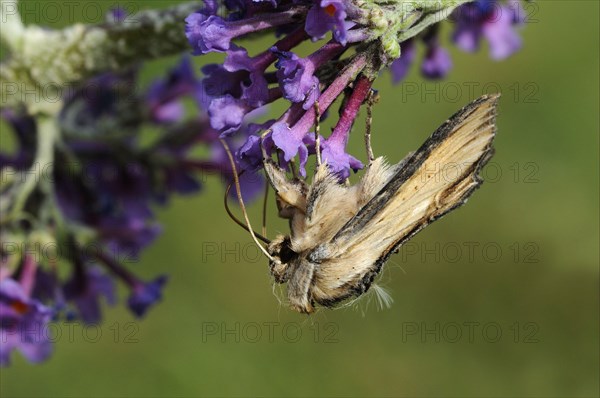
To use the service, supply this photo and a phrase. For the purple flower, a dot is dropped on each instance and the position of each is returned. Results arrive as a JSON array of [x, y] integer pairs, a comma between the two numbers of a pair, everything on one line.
[[175, 146], [208, 33], [401, 66], [296, 78], [210, 7], [333, 152], [253, 83], [116, 14], [494, 22], [164, 96], [249, 156], [291, 142], [437, 62], [145, 295], [232, 90], [227, 113], [23, 324], [85, 289], [180, 180], [251, 183], [328, 15], [469, 19], [501, 35], [104, 191], [127, 235], [109, 197]]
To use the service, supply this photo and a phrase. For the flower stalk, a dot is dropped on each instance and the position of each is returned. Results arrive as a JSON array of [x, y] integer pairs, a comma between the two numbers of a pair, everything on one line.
[[102, 179]]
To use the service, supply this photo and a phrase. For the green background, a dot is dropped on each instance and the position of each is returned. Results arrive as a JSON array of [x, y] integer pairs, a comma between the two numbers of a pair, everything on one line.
[[540, 289]]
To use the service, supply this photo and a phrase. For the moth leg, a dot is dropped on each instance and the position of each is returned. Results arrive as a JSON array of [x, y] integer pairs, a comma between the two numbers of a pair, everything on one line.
[[289, 194], [317, 131], [293, 168], [371, 99], [299, 286], [261, 142]]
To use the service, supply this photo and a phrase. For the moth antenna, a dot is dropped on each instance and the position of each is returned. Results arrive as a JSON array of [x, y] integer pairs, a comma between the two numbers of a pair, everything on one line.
[[264, 215], [369, 122], [241, 199], [234, 218], [317, 133]]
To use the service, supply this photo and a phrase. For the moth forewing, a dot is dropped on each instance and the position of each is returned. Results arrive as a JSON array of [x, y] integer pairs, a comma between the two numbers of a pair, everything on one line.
[[347, 233], [416, 195]]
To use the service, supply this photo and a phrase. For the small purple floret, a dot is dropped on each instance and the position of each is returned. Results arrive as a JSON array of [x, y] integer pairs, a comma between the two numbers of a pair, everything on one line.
[[23, 324], [333, 152], [145, 295], [164, 96], [86, 290], [496, 23], [437, 62], [503, 39], [325, 16], [296, 78], [207, 33]]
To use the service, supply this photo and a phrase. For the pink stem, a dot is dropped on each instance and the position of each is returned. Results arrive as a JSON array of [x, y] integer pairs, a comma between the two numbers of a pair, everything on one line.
[[358, 96], [116, 268], [266, 58]]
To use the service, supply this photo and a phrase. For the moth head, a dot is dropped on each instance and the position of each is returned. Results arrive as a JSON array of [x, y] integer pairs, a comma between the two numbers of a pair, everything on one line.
[[282, 254]]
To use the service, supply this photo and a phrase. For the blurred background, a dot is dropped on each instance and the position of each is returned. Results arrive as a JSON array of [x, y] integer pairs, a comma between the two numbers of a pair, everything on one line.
[[499, 298]]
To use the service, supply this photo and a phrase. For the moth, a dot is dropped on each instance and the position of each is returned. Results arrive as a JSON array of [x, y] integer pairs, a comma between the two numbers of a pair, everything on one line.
[[341, 236]]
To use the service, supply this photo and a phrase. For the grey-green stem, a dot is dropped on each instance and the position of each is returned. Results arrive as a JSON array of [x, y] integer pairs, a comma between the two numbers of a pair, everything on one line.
[[47, 134]]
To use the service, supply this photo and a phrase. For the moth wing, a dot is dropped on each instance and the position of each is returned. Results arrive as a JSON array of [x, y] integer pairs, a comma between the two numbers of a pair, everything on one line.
[[420, 192]]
